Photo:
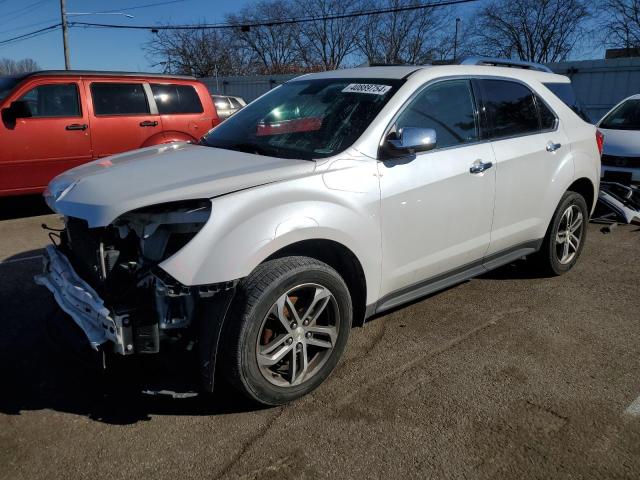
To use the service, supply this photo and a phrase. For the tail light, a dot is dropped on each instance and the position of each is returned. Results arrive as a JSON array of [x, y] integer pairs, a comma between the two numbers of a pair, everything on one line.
[[600, 140]]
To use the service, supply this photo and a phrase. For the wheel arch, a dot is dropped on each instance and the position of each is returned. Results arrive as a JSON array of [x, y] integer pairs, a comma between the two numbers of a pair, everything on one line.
[[587, 189], [167, 137], [340, 258]]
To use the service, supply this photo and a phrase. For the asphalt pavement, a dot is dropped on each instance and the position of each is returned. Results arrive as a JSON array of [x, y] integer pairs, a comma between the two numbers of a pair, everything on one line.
[[505, 376]]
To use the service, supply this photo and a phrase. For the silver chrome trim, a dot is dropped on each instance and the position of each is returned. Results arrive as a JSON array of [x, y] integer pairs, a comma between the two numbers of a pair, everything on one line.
[[80, 301]]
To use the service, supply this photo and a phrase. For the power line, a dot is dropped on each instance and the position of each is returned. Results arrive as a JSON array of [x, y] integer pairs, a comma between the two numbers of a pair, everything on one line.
[[22, 11], [272, 23], [26, 36], [137, 7]]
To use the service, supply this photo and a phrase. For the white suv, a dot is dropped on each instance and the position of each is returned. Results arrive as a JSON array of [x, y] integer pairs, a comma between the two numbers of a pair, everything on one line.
[[334, 197]]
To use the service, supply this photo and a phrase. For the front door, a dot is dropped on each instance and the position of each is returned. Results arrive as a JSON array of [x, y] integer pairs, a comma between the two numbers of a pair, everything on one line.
[[436, 213], [51, 135]]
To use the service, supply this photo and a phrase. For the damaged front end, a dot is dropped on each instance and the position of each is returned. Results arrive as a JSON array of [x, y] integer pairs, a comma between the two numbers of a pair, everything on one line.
[[108, 279]]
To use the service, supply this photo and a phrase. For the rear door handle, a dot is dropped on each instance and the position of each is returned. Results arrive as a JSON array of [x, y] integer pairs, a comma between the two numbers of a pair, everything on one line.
[[552, 147], [479, 166], [148, 123], [77, 126]]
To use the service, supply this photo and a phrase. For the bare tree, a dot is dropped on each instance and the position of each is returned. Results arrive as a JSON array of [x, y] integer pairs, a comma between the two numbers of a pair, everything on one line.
[[273, 47], [532, 30], [327, 42], [621, 23], [16, 67], [411, 36], [198, 52]]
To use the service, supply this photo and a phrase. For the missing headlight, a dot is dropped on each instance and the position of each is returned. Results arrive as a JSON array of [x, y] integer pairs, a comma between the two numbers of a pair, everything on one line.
[[164, 229]]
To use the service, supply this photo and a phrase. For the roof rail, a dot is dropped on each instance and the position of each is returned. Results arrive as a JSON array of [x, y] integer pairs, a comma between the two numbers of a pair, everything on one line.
[[505, 62]]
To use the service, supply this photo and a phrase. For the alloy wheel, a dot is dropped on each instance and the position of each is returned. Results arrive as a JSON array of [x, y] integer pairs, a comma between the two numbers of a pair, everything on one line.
[[569, 234], [298, 335]]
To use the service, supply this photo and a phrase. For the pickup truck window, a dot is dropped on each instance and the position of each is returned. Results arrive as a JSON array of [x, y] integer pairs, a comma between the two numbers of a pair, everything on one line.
[[306, 119]]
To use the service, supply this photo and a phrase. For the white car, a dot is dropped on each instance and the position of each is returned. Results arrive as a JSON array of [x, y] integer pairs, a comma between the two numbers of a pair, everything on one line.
[[621, 129], [334, 197]]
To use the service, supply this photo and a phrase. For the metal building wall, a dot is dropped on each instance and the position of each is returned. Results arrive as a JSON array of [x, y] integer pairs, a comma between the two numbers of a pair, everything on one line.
[[249, 88], [599, 84]]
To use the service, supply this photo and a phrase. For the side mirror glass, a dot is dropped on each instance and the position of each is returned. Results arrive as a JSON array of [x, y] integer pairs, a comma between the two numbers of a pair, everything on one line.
[[413, 139]]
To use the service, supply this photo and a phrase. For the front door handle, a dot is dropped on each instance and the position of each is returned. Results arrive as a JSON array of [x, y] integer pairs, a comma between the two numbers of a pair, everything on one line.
[[479, 166], [552, 147], [77, 126], [148, 123]]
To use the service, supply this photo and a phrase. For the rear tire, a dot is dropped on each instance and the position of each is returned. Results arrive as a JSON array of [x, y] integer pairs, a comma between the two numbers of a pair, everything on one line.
[[566, 236], [287, 328]]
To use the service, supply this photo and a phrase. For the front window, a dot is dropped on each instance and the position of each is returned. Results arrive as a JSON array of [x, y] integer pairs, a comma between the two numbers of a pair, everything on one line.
[[306, 119], [625, 117], [54, 100]]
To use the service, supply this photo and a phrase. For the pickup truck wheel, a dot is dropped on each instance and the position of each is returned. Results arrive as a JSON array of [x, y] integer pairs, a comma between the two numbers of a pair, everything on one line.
[[287, 328], [565, 236]]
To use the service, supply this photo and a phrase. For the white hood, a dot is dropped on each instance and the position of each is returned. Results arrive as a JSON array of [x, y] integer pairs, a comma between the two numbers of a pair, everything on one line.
[[102, 190]]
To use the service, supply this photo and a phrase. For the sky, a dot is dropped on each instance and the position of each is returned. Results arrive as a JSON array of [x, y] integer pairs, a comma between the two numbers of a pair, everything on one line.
[[98, 49], [108, 49]]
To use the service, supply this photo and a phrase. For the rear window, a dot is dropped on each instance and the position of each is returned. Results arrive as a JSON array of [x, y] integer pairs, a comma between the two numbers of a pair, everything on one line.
[[235, 103], [510, 107], [119, 99], [564, 91], [176, 99], [221, 103]]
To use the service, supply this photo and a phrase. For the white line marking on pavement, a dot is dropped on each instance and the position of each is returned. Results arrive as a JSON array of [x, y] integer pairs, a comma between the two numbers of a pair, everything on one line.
[[23, 259], [634, 408]]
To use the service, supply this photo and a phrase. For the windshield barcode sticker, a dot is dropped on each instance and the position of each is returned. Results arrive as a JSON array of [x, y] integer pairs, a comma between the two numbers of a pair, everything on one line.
[[367, 88]]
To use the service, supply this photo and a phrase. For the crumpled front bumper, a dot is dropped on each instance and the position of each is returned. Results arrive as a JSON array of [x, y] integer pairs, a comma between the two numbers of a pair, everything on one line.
[[83, 304]]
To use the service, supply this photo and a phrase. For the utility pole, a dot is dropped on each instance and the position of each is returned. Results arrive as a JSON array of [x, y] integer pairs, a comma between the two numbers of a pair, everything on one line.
[[65, 35], [455, 41]]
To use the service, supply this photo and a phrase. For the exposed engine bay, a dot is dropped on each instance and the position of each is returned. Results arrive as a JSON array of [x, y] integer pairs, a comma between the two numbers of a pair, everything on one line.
[[120, 264]]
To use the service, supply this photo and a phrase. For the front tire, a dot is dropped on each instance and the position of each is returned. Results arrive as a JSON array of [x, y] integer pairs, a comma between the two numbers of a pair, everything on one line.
[[566, 235], [287, 329]]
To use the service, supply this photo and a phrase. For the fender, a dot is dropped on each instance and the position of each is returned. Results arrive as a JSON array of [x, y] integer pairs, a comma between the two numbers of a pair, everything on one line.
[[167, 137], [238, 236]]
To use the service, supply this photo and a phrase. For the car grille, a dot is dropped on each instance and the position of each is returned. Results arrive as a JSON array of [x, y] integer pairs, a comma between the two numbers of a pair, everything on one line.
[[622, 162]]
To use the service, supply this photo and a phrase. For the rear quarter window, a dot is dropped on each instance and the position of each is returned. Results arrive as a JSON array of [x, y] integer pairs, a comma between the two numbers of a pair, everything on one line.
[[119, 99], [564, 91], [176, 99]]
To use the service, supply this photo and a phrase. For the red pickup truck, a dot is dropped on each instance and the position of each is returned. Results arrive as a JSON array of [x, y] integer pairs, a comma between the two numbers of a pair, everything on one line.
[[55, 120]]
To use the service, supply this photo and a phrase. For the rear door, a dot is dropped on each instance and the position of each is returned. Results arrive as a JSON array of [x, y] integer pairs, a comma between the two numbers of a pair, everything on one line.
[[52, 137], [530, 151], [181, 111], [122, 116]]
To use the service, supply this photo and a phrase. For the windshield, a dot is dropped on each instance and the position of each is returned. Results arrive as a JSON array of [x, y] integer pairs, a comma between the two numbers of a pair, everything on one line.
[[625, 117], [6, 85], [307, 119]]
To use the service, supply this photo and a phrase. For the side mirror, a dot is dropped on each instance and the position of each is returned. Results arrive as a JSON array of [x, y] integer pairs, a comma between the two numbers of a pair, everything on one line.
[[20, 109], [413, 139]]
